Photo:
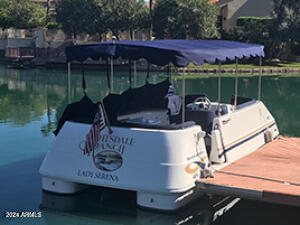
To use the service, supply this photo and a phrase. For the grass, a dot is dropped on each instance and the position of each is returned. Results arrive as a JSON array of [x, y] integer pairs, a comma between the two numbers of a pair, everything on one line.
[[290, 65], [250, 66], [267, 65], [231, 66], [208, 75]]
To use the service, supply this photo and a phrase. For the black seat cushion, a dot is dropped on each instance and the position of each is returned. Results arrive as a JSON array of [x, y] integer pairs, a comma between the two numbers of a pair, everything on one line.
[[82, 111], [240, 100], [149, 96], [204, 118]]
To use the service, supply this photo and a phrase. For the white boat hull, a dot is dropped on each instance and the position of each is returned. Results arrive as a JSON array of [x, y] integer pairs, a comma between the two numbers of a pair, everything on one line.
[[151, 162], [161, 166], [240, 133]]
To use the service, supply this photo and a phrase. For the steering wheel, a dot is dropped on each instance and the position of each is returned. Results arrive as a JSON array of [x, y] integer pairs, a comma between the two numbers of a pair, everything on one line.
[[202, 102]]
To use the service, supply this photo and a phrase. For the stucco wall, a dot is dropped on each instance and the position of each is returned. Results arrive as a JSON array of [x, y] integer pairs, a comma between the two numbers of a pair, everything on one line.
[[16, 42], [3, 44]]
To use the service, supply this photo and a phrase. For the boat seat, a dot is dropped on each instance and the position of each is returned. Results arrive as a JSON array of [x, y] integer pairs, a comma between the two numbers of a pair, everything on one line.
[[242, 101], [204, 118]]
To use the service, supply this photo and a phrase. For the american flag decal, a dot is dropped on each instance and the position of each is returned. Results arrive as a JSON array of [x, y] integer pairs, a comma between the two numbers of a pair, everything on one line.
[[92, 138]]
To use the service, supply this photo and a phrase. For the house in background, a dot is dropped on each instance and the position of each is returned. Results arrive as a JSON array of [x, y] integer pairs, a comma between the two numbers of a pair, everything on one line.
[[231, 10]]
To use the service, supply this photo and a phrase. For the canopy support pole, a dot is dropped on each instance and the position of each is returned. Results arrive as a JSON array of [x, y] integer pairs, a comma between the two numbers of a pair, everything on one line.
[[112, 74], [69, 83], [134, 73], [219, 88], [259, 79], [236, 83], [219, 111], [148, 72], [130, 79], [108, 75], [183, 99], [83, 79], [169, 72]]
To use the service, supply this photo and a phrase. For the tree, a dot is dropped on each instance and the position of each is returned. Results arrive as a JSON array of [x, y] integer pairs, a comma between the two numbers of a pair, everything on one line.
[[99, 16], [80, 16], [251, 30], [193, 19], [126, 15], [286, 20], [21, 14], [285, 31], [5, 21]]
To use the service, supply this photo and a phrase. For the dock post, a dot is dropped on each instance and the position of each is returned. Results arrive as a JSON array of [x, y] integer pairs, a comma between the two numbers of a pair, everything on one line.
[[69, 83]]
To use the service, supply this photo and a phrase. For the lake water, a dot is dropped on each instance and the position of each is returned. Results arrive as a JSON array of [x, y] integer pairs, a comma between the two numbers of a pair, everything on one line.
[[31, 102]]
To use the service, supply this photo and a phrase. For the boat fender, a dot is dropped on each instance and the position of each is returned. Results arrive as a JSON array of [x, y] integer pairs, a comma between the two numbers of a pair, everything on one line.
[[207, 172], [205, 169], [268, 136]]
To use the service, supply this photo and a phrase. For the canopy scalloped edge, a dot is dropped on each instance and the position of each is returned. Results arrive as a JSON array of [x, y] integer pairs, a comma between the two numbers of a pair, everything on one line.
[[162, 52]]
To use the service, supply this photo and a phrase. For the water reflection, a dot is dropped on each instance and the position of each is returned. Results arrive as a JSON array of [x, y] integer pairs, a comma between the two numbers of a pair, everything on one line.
[[26, 95], [260, 213], [107, 206]]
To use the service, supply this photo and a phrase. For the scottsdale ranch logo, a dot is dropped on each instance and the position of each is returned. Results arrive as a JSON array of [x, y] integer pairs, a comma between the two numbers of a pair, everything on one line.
[[108, 160], [108, 153]]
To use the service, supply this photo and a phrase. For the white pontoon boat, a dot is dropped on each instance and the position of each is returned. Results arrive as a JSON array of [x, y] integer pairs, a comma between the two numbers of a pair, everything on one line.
[[149, 140]]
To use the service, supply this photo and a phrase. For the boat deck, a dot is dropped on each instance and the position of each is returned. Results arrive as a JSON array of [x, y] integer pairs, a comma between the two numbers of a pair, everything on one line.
[[270, 174]]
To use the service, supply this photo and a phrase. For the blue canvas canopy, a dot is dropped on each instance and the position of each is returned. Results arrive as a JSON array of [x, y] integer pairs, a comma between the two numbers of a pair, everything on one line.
[[162, 52]]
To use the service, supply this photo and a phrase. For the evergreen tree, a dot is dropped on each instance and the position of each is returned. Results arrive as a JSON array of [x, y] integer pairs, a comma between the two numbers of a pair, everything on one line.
[[126, 15], [21, 14], [80, 16], [285, 29], [192, 19]]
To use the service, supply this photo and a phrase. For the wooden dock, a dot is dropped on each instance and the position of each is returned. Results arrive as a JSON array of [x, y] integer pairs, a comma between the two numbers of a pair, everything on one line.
[[270, 174]]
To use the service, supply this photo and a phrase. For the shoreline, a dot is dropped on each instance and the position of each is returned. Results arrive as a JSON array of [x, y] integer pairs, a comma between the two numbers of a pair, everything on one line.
[[251, 71], [191, 72], [227, 75]]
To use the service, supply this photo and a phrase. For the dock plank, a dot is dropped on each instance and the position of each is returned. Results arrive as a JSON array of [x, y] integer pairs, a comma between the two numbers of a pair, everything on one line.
[[270, 174]]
